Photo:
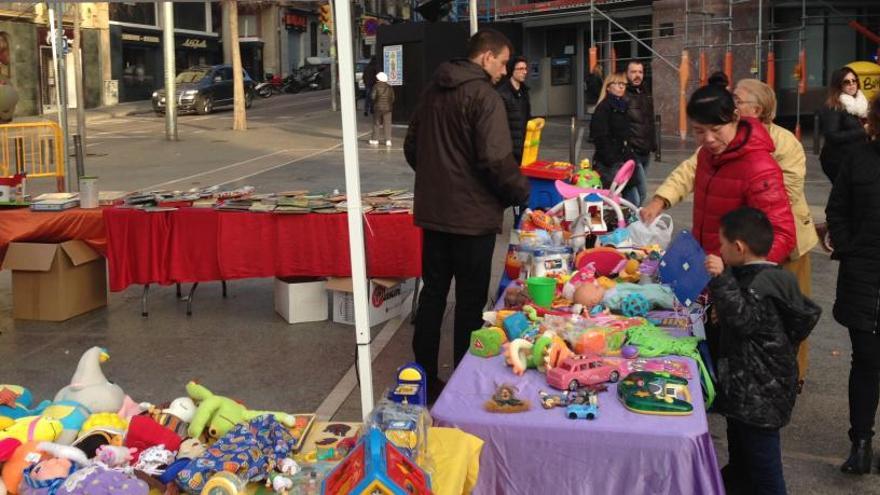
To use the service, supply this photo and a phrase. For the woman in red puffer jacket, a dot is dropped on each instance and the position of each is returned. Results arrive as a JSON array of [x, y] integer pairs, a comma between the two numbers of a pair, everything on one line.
[[734, 169]]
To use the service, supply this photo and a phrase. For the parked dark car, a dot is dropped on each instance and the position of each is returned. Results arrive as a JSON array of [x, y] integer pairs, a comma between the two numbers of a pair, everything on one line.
[[200, 89]]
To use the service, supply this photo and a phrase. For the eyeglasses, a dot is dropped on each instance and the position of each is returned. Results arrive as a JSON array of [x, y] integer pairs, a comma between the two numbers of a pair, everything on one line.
[[847, 82]]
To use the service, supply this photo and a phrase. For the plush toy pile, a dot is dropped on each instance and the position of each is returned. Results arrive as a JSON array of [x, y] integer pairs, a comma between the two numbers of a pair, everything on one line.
[[93, 439]]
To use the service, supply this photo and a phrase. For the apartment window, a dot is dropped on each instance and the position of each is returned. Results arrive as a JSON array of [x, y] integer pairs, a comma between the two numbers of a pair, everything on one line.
[[247, 26], [134, 13], [190, 15], [667, 30]]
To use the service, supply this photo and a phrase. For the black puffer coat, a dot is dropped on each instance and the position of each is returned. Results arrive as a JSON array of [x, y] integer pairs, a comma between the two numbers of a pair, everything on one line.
[[761, 318], [854, 225], [519, 111], [610, 132], [641, 118], [841, 130]]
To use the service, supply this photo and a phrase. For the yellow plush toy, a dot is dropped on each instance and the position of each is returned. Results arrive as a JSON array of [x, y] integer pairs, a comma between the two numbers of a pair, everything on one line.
[[33, 428]]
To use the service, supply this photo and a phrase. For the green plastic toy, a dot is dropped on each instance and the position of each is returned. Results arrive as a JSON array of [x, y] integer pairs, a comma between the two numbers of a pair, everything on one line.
[[486, 342], [648, 392], [653, 341], [219, 414]]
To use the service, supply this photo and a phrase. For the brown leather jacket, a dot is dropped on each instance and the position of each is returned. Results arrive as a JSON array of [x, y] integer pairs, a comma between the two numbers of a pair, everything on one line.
[[458, 143], [383, 97]]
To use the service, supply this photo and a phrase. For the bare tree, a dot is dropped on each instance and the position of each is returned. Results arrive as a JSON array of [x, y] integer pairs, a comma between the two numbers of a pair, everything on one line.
[[239, 119]]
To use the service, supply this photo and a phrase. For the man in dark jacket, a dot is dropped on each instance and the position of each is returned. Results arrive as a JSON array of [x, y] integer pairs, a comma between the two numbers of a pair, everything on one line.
[[640, 110], [458, 144], [759, 317], [369, 77], [515, 94]]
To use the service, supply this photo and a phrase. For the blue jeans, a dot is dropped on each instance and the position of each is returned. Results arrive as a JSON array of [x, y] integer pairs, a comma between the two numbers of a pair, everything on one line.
[[640, 176], [755, 465], [636, 189]]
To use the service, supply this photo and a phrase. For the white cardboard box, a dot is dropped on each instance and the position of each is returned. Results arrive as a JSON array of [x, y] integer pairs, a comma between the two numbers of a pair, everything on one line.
[[301, 299], [386, 295]]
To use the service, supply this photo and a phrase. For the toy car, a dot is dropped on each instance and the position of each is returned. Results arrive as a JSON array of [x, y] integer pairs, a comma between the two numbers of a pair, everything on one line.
[[582, 411], [581, 371]]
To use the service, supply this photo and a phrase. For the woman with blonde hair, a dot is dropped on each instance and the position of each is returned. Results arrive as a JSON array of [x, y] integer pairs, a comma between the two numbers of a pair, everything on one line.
[[610, 132], [754, 98]]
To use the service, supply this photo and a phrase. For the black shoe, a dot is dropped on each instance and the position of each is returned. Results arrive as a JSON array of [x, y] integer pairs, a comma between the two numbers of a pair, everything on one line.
[[435, 388], [859, 461]]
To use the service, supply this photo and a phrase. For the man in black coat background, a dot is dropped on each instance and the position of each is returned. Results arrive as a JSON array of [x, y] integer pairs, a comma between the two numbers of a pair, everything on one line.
[[515, 94]]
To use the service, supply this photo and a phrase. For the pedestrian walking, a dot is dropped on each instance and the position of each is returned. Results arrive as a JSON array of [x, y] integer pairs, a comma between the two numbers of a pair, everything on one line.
[[458, 144], [593, 87], [843, 119], [756, 99], [369, 77], [854, 227], [515, 94], [610, 132], [382, 97], [640, 110], [758, 317]]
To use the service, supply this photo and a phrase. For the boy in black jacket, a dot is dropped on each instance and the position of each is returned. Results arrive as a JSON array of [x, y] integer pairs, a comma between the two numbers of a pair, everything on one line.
[[759, 317]]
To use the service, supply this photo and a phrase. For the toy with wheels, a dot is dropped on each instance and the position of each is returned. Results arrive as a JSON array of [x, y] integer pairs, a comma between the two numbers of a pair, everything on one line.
[[375, 466]]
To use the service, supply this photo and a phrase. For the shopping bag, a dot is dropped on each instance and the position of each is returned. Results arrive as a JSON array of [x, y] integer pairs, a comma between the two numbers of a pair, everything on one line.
[[658, 231]]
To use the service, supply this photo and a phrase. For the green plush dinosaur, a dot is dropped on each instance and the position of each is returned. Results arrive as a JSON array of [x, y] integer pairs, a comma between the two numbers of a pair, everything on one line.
[[219, 414]]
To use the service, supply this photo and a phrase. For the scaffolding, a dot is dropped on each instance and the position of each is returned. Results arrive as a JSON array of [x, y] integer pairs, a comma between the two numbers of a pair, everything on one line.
[[694, 31]]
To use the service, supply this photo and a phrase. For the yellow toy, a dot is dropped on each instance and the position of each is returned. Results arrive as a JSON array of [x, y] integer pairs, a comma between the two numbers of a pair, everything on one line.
[[33, 429], [532, 141], [630, 272]]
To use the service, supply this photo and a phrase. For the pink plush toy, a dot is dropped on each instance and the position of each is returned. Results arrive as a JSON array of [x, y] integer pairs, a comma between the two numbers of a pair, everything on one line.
[[115, 456]]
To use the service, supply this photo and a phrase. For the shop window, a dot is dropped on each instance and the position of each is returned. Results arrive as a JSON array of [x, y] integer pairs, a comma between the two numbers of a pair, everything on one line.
[[190, 15], [134, 13]]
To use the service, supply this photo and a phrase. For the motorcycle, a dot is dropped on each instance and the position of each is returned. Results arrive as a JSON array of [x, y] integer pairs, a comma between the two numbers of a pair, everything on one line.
[[273, 85]]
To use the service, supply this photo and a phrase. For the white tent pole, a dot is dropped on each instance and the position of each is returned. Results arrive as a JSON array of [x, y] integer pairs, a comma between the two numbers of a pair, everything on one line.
[[472, 10], [353, 198]]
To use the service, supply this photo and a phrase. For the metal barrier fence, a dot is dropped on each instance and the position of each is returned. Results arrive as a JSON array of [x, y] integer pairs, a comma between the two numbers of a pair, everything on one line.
[[32, 148]]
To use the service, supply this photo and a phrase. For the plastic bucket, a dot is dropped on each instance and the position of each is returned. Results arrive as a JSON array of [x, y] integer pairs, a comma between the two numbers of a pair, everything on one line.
[[541, 290]]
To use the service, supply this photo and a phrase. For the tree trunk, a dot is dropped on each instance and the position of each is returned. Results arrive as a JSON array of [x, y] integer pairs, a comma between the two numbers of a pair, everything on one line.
[[239, 119]]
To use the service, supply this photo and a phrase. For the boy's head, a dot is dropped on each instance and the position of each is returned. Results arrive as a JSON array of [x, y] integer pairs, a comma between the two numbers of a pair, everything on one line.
[[746, 235]]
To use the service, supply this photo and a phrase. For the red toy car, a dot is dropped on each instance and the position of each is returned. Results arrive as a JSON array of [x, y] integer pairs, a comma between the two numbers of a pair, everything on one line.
[[582, 371]]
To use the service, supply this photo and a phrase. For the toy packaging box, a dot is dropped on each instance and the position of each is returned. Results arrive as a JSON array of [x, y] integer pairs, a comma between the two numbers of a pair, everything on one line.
[[55, 282], [386, 297]]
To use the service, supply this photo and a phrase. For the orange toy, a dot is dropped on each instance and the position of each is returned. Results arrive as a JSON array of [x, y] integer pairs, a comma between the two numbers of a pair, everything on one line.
[[15, 466]]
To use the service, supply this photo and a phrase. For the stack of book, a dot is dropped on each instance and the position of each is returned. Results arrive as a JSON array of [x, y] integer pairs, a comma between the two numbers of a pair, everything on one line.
[[55, 202]]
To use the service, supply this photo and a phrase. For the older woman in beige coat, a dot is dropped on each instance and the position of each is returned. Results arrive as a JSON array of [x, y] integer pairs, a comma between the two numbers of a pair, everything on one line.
[[755, 99]]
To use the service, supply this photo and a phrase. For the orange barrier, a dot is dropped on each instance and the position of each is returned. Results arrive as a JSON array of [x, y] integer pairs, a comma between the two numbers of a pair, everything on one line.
[[771, 70]]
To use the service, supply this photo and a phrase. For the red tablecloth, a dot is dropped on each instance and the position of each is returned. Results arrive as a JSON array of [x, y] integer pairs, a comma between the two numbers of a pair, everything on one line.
[[23, 224], [192, 245]]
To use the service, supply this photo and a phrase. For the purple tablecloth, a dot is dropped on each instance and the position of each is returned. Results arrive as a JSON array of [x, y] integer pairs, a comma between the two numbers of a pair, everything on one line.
[[540, 452]]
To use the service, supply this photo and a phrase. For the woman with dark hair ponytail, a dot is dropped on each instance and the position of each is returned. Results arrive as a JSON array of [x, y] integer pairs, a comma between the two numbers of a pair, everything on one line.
[[734, 168]]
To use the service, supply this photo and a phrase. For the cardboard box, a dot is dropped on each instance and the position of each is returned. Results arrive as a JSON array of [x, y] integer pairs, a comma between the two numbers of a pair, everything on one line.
[[54, 282], [387, 296], [301, 299]]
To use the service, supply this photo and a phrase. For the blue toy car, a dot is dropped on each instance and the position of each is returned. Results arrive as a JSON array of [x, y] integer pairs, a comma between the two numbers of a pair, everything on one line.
[[582, 411]]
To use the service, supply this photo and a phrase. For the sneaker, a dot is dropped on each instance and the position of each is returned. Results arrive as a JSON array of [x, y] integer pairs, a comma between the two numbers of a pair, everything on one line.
[[388, 143], [373, 142]]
